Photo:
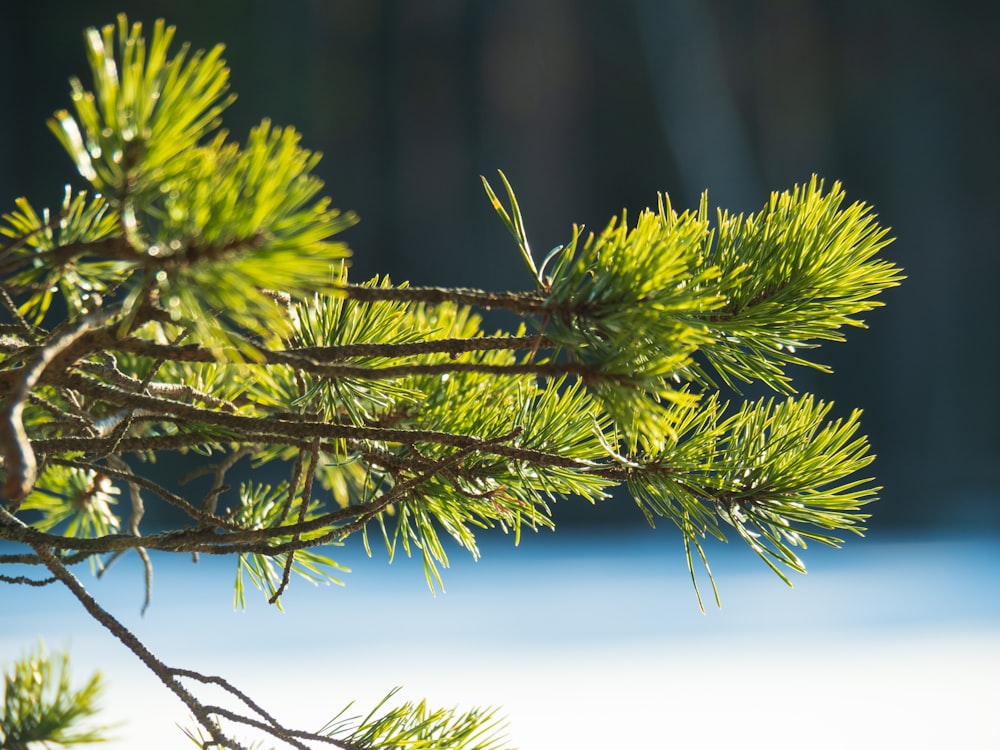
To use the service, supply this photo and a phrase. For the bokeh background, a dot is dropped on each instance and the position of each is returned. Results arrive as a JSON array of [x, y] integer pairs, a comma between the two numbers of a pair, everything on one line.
[[590, 106], [594, 106]]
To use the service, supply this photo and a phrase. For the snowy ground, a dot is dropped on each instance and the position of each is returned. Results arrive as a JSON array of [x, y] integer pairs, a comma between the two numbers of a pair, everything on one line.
[[584, 642]]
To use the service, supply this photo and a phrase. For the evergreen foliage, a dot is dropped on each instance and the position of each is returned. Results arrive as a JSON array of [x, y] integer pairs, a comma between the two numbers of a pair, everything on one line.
[[41, 708], [194, 298]]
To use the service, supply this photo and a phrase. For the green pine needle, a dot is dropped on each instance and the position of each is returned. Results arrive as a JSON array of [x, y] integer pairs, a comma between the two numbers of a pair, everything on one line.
[[41, 708]]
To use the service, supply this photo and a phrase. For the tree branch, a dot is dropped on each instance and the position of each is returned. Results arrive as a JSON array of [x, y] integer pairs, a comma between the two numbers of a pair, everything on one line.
[[19, 458], [126, 637], [312, 358], [522, 303]]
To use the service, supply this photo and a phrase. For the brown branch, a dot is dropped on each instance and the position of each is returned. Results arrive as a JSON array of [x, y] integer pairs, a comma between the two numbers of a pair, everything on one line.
[[323, 361], [313, 356], [174, 390], [393, 372], [228, 687], [116, 248], [180, 441], [237, 540], [434, 346], [19, 458], [126, 475], [24, 559], [286, 428], [270, 725], [289, 736], [60, 416], [24, 580], [522, 303]]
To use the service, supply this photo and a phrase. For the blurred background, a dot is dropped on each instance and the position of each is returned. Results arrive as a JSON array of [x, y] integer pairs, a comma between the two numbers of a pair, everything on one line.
[[594, 106], [591, 106]]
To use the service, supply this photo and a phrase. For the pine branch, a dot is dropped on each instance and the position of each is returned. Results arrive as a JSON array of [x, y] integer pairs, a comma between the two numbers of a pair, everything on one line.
[[206, 309]]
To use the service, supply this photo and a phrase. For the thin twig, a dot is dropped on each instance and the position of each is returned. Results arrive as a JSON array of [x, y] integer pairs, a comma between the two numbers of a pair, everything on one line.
[[171, 390], [138, 511], [61, 416], [289, 736], [122, 427], [293, 486], [127, 476], [126, 637], [21, 324], [74, 558], [270, 725], [24, 580], [303, 510], [219, 471]]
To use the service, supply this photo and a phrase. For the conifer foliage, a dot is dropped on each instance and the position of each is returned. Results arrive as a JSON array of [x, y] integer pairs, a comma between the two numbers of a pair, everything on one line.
[[192, 297]]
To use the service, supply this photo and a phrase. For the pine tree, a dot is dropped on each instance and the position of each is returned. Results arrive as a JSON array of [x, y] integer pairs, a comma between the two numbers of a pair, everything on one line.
[[194, 299]]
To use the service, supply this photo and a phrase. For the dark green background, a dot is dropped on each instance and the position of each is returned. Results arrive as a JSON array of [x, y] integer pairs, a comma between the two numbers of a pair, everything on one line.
[[594, 106]]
